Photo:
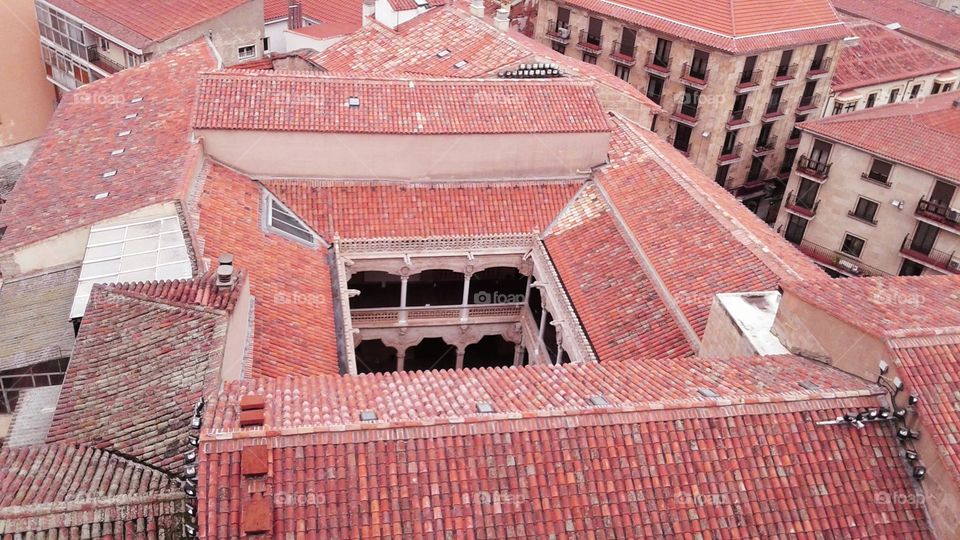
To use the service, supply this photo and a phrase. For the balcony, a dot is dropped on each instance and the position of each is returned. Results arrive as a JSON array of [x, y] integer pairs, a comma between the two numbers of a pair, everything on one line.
[[819, 70], [658, 65], [590, 43], [694, 78], [732, 155], [813, 169], [838, 261], [765, 147], [938, 214], [623, 57], [435, 315], [808, 103], [749, 81], [802, 207], [684, 149], [558, 32], [738, 119], [874, 177], [773, 111], [792, 142], [784, 75], [755, 185], [939, 260], [685, 114]]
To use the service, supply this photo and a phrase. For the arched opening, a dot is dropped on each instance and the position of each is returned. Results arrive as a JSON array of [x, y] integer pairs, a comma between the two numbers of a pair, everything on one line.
[[375, 357], [497, 285], [429, 354], [435, 288], [377, 290], [490, 351]]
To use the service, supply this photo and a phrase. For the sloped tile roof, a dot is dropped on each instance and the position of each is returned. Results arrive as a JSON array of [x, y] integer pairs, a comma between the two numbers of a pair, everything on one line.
[[887, 306], [932, 371], [35, 326], [32, 417], [293, 330], [927, 23], [319, 103], [142, 24], [86, 128], [138, 369], [380, 210], [617, 304], [323, 403], [884, 55], [202, 291], [738, 26], [718, 245], [404, 5], [329, 11], [65, 491], [923, 134]]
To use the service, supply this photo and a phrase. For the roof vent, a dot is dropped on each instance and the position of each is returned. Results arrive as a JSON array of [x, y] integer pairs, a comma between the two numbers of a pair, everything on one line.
[[103, 195], [108, 174], [461, 64], [253, 460], [117, 152], [706, 392], [252, 411], [123, 133], [353, 101], [225, 273], [484, 407], [368, 416], [598, 401], [443, 54], [894, 26], [136, 100], [422, 3], [130, 116]]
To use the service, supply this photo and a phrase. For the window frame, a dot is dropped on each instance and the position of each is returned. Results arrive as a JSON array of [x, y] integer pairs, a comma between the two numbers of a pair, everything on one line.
[[865, 202], [253, 53], [843, 245], [272, 204]]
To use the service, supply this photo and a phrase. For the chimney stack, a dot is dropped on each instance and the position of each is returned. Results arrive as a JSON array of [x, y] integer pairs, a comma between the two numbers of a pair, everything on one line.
[[225, 273], [502, 19], [476, 8], [369, 10], [294, 15]]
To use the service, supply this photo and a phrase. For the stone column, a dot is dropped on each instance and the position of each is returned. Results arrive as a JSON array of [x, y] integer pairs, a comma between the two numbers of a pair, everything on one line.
[[460, 352], [543, 324], [403, 299], [465, 312], [518, 354], [401, 353]]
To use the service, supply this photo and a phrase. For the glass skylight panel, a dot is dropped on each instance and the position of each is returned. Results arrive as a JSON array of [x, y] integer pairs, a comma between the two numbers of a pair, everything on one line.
[[142, 251], [284, 221]]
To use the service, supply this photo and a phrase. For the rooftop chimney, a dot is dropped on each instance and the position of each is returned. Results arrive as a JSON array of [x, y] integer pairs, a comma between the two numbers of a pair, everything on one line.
[[476, 8], [502, 19], [294, 15], [369, 10], [225, 273]]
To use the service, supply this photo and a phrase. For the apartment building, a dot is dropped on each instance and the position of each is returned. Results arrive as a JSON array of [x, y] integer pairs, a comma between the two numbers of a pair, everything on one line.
[[885, 66], [26, 98], [732, 82], [85, 40], [874, 192]]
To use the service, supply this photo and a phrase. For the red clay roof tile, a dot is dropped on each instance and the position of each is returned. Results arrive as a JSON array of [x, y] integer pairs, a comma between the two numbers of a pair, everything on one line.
[[329, 11], [923, 22], [320, 103]]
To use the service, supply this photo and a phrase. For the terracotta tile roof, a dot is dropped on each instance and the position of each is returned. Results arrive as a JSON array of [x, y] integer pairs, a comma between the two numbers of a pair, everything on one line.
[[924, 22], [412, 48], [85, 130], [293, 329], [138, 369], [32, 417], [330, 11], [201, 291], [405, 5], [718, 246], [141, 24], [739, 26], [563, 467], [885, 55], [377, 210], [923, 134], [887, 306], [36, 326], [618, 306], [65, 491], [269, 61], [324, 403], [394, 105], [327, 30], [933, 372]]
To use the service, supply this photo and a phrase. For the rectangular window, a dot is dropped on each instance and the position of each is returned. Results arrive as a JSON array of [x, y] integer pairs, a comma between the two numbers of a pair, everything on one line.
[[655, 89], [866, 210], [594, 31], [104, 44], [783, 69], [880, 171], [936, 89], [589, 58], [662, 55], [852, 245], [915, 91], [894, 94], [871, 100], [283, 220], [817, 63], [721, 177], [850, 107], [628, 42], [559, 47], [837, 108], [247, 51], [796, 227], [266, 44], [948, 87], [698, 67], [563, 18], [748, 67], [623, 72]]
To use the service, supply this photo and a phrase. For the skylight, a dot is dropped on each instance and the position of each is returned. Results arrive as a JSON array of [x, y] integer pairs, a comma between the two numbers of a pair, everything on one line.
[[461, 64], [116, 152], [443, 54], [282, 220], [123, 133], [108, 174], [140, 251]]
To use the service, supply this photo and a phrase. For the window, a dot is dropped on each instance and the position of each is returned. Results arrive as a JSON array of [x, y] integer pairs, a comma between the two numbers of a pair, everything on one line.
[[915, 91], [594, 31], [559, 47], [655, 89], [852, 106], [796, 227], [266, 44], [783, 69], [947, 87], [628, 42], [866, 210], [837, 108], [910, 268], [880, 171], [852, 245], [662, 55], [894, 94], [691, 101], [729, 142], [623, 72], [247, 51], [681, 139], [818, 63], [563, 18], [748, 67], [936, 89], [698, 68], [589, 58], [282, 220], [721, 177], [104, 44], [131, 59], [756, 168], [871, 100]]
